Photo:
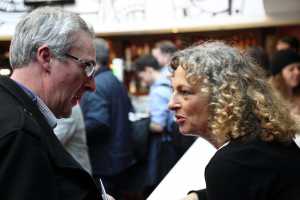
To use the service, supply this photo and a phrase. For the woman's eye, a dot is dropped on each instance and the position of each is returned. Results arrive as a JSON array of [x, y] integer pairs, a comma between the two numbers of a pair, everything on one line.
[[185, 92]]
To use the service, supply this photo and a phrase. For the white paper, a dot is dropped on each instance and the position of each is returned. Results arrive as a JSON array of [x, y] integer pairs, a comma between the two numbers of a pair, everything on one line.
[[187, 174]]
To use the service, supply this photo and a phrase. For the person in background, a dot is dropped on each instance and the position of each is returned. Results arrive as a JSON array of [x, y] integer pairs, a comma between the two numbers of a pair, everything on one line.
[[288, 42], [53, 61], [71, 133], [220, 95], [163, 52], [105, 113], [260, 57], [162, 155], [285, 79]]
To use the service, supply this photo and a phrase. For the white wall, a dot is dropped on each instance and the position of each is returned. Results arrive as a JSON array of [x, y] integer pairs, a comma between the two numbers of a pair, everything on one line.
[[119, 16]]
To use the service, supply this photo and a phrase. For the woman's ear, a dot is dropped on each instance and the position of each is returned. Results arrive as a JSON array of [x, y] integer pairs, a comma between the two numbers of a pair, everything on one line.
[[43, 57]]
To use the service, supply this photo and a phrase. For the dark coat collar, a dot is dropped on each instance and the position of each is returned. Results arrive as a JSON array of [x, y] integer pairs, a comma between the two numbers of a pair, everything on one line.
[[55, 149]]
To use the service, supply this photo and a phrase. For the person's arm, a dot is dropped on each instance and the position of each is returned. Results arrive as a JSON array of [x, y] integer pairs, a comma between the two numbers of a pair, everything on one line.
[[95, 109], [159, 112], [25, 169]]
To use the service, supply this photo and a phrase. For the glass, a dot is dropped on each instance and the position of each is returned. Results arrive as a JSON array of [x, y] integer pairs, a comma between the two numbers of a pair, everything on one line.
[[89, 66]]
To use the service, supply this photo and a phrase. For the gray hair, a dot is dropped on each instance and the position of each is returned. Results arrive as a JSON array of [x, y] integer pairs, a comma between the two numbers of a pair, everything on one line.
[[102, 51], [52, 26], [241, 101], [216, 61]]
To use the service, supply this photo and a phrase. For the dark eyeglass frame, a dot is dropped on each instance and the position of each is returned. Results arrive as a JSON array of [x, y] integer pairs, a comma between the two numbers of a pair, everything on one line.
[[89, 66]]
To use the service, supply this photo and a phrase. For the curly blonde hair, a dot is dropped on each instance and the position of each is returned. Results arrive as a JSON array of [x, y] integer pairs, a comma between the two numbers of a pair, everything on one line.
[[241, 100]]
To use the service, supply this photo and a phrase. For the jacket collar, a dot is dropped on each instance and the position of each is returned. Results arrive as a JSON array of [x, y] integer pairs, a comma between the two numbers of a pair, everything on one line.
[[55, 149]]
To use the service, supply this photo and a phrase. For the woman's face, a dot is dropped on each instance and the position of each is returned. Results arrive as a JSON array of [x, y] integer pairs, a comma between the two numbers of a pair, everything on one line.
[[291, 75], [282, 45], [189, 104]]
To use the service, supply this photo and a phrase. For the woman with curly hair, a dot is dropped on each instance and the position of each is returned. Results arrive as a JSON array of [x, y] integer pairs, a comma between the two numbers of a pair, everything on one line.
[[221, 95]]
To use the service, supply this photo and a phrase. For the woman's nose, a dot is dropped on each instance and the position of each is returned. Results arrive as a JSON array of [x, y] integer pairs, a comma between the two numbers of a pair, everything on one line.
[[173, 103]]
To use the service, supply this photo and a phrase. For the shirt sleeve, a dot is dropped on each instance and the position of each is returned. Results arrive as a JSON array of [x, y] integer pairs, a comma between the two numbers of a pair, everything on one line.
[[159, 99]]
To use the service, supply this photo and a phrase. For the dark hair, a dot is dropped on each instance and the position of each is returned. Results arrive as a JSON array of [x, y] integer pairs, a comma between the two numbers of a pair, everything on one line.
[[259, 56], [292, 41], [166, 47], [102, 51], [283, 58], [144, 61]]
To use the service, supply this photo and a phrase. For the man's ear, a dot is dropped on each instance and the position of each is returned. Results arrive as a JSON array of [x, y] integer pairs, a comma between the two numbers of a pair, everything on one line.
[[43, 57]]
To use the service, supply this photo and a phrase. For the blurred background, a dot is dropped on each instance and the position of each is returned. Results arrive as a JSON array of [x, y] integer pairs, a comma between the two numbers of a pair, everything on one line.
[[132, 27]]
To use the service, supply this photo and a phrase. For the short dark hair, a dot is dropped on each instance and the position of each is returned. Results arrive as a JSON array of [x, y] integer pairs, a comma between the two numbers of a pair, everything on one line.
[[292, 41], [166, 47], [144, 61], [102, 51]]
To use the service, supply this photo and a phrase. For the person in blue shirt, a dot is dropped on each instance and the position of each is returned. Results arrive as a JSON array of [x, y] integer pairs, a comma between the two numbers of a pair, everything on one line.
[[162, 155], [108, 128]]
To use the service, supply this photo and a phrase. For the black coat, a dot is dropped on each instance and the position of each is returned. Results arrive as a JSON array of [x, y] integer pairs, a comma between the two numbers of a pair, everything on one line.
[[33, 163], [253, 170]]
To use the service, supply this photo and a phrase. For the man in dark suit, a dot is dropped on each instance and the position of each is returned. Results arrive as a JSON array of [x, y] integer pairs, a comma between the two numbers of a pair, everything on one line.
[[108, 128], [53, 61]]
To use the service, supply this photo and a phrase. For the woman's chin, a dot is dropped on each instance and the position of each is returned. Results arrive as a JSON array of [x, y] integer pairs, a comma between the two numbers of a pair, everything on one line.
[[184, 131], [188, 132]]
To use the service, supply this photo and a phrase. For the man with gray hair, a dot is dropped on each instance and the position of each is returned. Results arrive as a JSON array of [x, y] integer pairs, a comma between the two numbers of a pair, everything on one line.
[[53, 61], [108, 128]]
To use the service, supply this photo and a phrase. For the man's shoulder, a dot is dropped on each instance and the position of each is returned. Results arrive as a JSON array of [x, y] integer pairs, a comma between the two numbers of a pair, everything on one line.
[[105, 75], [12, 113], [12, 118]]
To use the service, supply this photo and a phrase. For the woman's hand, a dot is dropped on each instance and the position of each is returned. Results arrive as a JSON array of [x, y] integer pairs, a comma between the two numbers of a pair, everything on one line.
[[191, 196]]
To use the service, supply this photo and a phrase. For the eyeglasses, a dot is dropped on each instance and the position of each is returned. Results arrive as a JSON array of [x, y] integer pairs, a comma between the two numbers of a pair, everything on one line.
[[89, 66]]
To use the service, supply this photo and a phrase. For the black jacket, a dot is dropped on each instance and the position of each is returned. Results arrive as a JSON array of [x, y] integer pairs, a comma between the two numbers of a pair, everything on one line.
[[33, 163], [253, 170]]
